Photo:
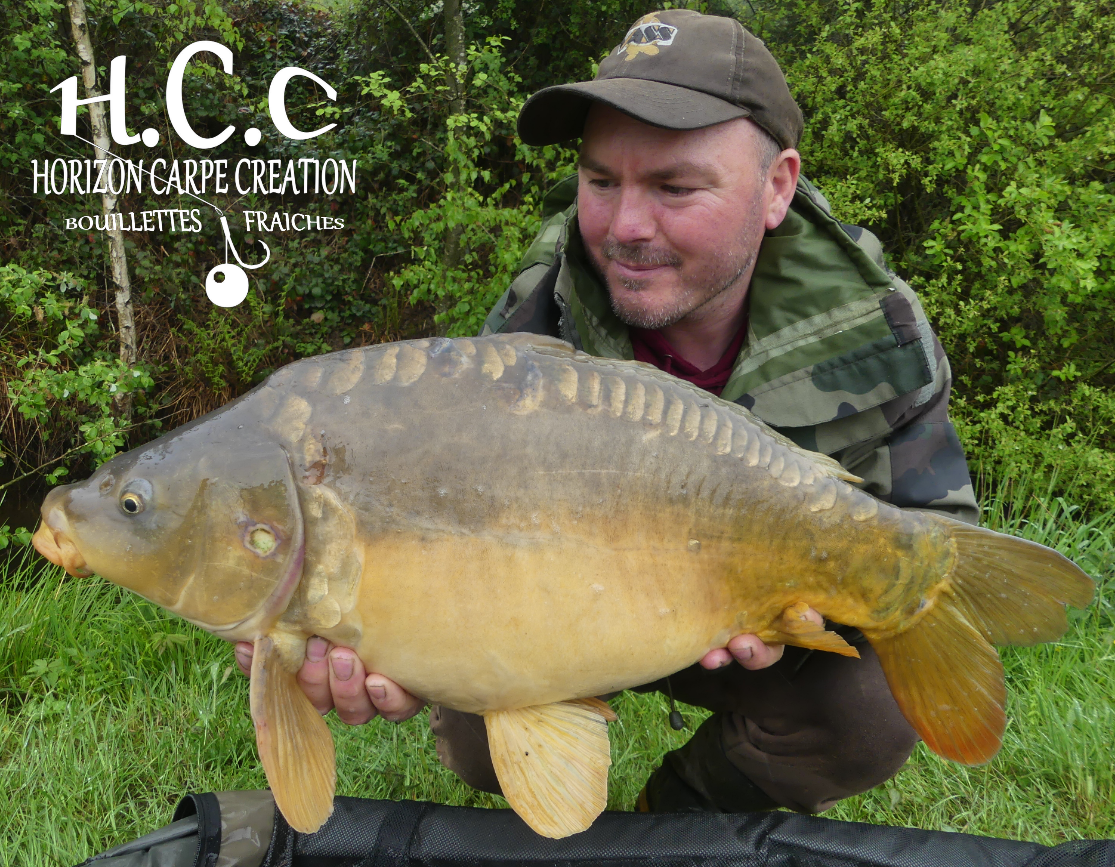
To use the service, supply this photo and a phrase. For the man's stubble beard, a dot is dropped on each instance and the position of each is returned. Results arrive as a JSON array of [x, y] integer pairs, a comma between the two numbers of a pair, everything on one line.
[[726, 271]]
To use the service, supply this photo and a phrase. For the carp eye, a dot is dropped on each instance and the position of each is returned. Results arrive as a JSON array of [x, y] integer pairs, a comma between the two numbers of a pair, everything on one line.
[[135, 496], [261, 540]]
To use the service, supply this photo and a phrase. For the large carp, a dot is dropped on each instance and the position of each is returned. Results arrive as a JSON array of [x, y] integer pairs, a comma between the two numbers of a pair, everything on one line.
[[508, 527]]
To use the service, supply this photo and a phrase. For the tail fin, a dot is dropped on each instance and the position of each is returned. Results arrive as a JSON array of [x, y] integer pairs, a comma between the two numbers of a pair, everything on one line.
[[943, 671], [1012, 590]]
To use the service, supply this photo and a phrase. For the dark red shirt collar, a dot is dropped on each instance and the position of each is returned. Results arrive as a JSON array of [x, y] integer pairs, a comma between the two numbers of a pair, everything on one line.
[[653, 348]]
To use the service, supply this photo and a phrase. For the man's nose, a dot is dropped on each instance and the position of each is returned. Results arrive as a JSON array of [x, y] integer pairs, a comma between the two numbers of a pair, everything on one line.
[[633, 219]]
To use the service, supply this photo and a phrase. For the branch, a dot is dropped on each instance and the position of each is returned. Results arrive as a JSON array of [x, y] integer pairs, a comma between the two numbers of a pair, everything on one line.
[[410, 27], [65, 454]]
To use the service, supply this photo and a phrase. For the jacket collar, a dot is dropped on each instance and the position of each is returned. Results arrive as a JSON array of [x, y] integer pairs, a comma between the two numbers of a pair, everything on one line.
[[828, 334]]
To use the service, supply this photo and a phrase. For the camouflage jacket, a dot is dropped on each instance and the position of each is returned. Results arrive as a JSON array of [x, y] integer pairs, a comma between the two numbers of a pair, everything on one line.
[[838, 355]]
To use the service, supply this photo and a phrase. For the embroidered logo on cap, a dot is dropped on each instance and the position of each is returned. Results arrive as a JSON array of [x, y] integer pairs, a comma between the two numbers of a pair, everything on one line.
[[647, 36]]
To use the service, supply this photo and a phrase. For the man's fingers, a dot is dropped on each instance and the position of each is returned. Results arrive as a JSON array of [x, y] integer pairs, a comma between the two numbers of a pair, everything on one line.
[[244, 653], [748, 650], [335, 677], [392, 701], [346, 683], [716, 658], [313, 676], [752, 653]]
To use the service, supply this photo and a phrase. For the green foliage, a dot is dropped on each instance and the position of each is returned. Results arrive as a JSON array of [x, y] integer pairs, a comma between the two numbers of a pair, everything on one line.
[[34, 61], [20, 536], [243, 343], [546, 43], [496, 217], [182, 20], [64, 402], [66, 377], [67, 374], [65, 381], [980, 141]]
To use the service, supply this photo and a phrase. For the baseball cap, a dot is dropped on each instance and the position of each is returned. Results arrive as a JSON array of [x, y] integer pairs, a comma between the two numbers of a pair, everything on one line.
[[676, 69]]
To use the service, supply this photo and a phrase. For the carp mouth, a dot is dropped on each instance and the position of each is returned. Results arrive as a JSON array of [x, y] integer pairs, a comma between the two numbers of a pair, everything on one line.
[[56, 546]]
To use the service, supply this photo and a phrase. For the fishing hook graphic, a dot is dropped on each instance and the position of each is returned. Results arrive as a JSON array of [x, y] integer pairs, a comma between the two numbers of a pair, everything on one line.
[[236, 256]]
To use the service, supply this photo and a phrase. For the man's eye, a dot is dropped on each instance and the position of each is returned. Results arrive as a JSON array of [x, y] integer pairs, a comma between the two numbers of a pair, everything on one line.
[[671, 190], [601, 183]]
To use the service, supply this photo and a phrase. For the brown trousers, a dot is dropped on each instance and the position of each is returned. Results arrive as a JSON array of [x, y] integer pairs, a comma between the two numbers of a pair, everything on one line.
[[804, 733]]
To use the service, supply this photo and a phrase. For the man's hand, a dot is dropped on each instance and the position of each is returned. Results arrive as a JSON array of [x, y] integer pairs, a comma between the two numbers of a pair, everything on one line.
[[334, 677], [749, 651]]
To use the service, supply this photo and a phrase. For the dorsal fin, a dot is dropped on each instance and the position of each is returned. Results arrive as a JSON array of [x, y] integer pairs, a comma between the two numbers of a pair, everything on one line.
[[548, 345], [830, 466], [543, 343]]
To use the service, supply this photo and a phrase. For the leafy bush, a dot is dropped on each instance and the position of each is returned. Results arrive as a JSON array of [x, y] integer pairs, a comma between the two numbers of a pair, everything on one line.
[[978, 141], [459, 174], [60, 373], [67, 379]]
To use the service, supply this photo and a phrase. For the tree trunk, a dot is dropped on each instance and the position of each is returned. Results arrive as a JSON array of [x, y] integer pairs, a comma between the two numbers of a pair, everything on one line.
[[99, 126], [455, 48]]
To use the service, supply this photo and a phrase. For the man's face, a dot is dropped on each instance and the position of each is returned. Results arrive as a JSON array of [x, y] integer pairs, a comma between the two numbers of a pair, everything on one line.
[[671, 220]]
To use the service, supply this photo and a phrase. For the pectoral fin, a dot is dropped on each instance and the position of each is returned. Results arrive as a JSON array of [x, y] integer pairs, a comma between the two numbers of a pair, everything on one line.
[[295, 744], [552, 763], [792, 627]]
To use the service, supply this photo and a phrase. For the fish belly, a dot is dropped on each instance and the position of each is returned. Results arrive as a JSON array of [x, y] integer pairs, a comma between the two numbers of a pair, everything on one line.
[[487, 625]]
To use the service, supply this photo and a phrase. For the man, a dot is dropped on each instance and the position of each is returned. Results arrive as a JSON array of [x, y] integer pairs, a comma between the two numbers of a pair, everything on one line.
[[693, 244]]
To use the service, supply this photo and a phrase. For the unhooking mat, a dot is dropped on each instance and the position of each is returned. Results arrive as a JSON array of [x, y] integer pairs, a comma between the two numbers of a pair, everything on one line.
[[243, 829]]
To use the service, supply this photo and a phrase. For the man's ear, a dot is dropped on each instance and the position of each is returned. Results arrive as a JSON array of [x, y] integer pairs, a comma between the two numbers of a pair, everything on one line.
[[782, 180]]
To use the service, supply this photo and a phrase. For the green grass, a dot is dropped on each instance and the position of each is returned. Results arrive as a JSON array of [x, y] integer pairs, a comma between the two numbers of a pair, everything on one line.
[[110, 709]]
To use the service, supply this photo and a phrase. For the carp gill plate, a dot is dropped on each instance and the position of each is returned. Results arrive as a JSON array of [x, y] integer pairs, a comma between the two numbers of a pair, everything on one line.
[[508, 527]]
